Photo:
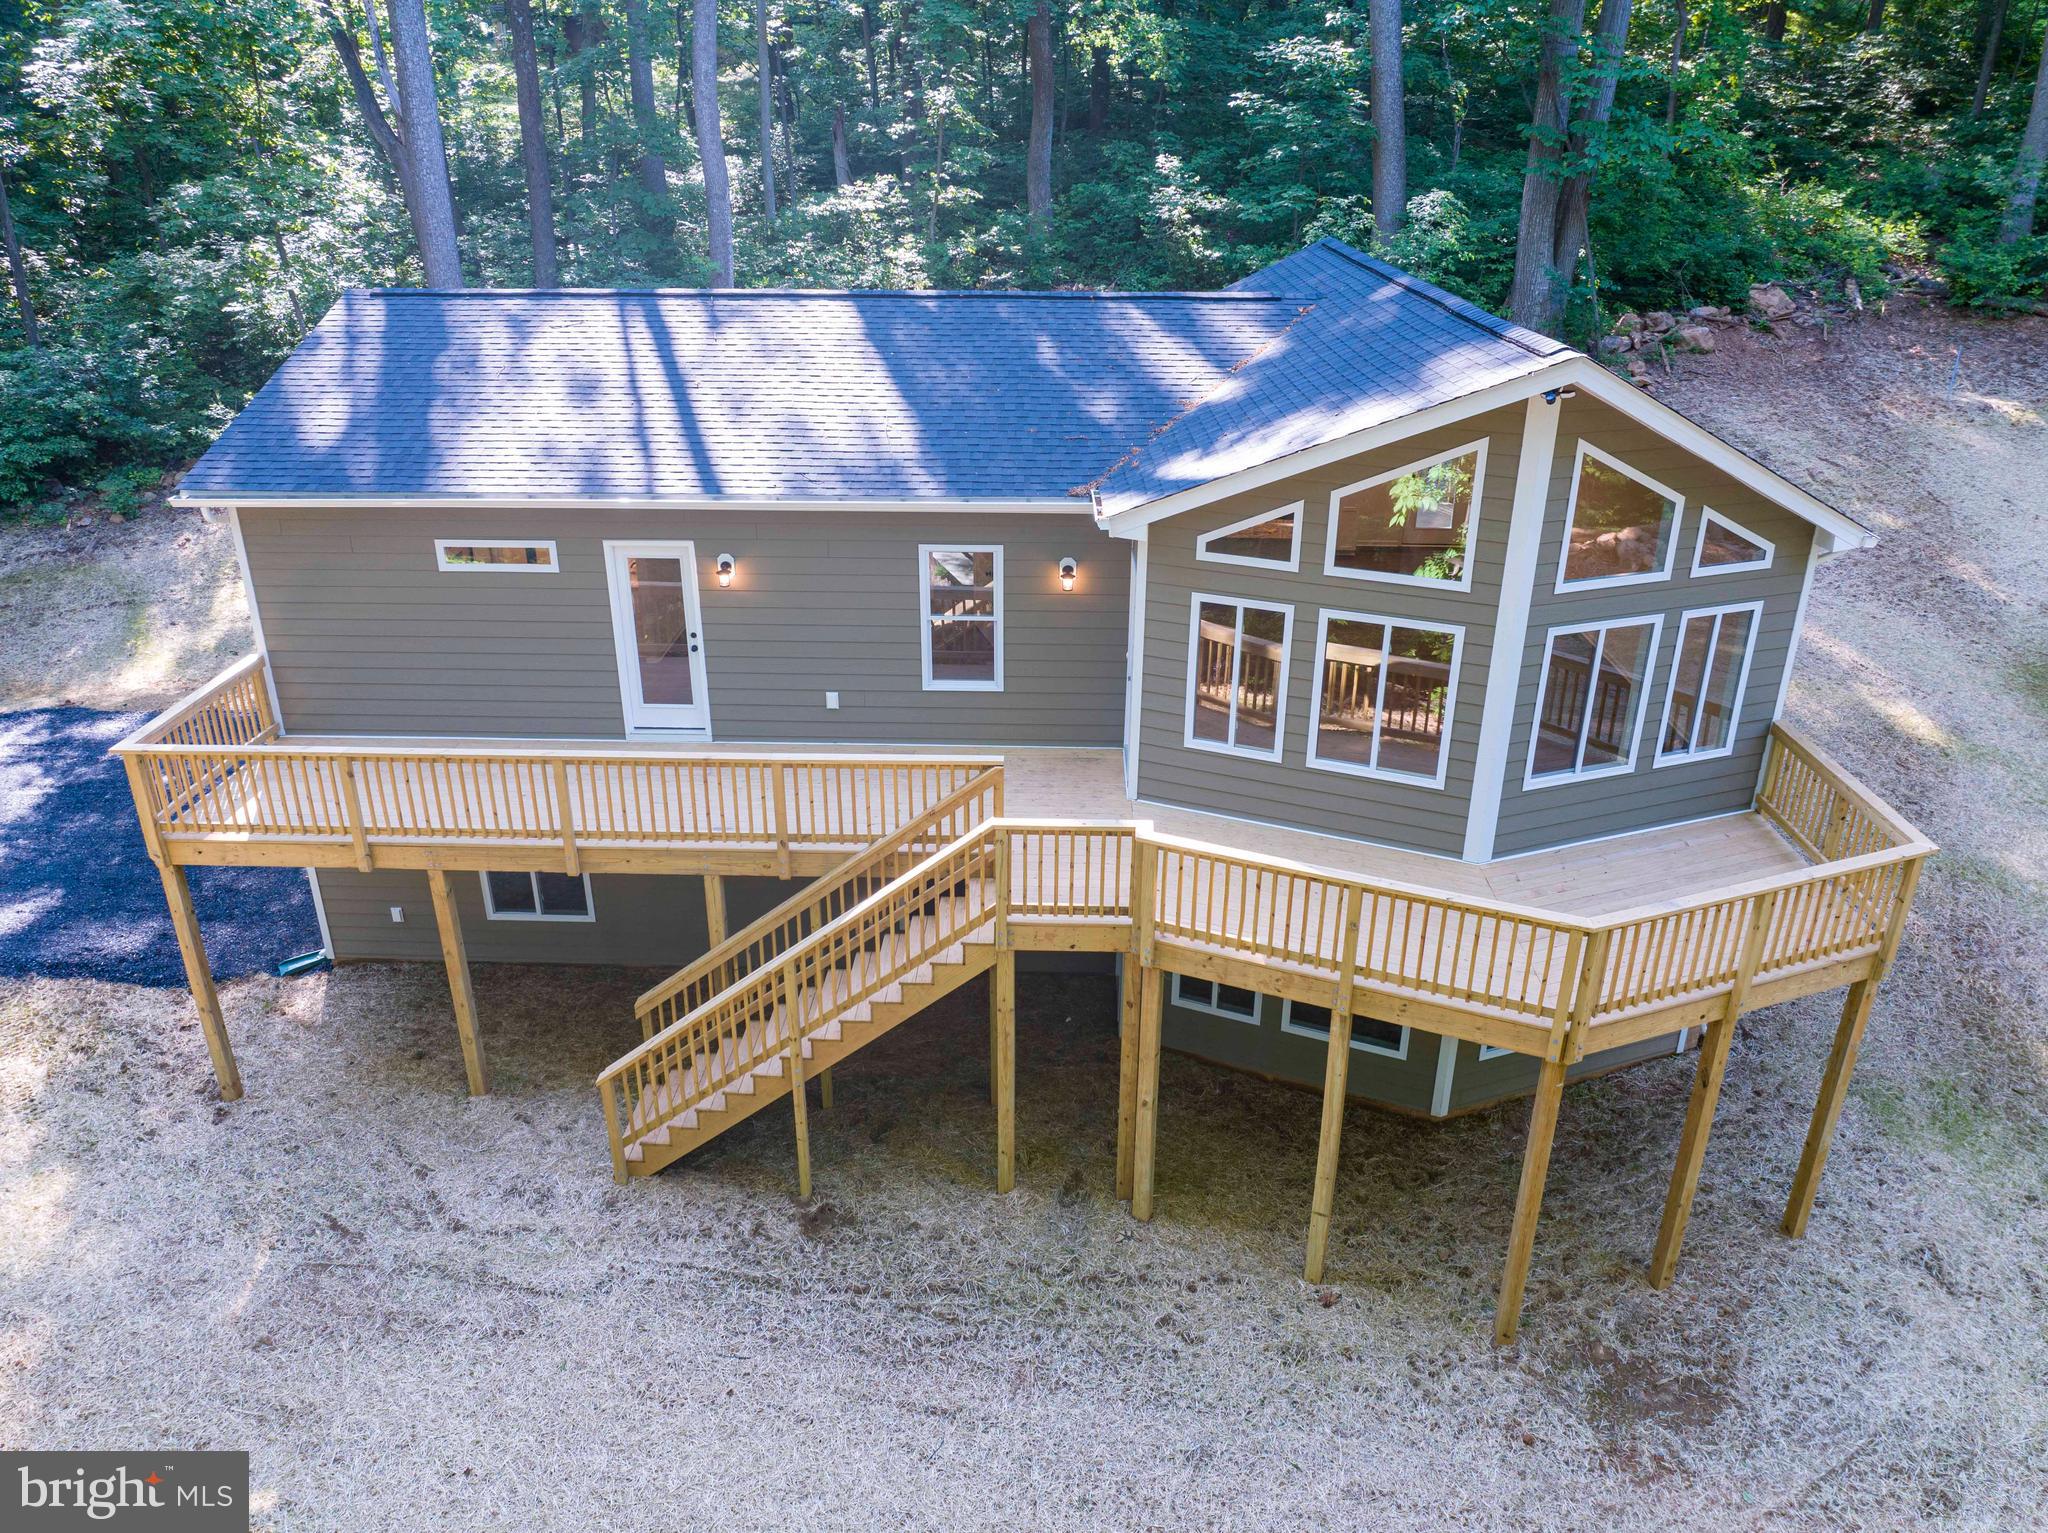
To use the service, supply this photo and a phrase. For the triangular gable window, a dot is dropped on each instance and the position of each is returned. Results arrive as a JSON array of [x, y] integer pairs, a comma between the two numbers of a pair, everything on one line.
[[1270, 539], [1725, 547]]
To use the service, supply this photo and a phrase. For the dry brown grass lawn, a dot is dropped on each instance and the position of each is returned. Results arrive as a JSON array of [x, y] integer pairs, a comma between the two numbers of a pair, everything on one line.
[[421, 1311]]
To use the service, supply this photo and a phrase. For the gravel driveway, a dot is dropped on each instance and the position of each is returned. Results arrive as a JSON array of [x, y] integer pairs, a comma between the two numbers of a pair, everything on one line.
[[78, 898]]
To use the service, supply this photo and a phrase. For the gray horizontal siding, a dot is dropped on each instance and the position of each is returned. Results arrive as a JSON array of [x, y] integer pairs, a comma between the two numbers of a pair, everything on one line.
[[367, 636], [1476, 1081], [642, 921], [1289, 791], [1533, 818]]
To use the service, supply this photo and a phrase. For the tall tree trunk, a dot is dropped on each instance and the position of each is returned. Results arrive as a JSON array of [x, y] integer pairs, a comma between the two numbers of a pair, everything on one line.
[[867, 43], [1532, 300], [17, 274], [1574, 205], [842, 172], [1389, 121], [533, 144], [1774, 22], [1038, 151], [1990, 28], [710, 139], [1100, 83], [764, 67], [433, 202], [1679, 22], [2019, 212], [583, 30], [1873, 20], [655, 216]]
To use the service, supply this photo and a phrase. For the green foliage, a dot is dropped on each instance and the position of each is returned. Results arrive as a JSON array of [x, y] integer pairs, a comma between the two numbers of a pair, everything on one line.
[[193, 182]]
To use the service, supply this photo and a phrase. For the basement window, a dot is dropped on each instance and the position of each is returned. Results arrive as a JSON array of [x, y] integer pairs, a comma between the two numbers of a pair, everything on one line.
[[529, 558], [1589, 713], [537, 897], [1703, 704], [962, 635], [1369, 1035], [1622, 526], [1266, 540], [1237, 676], [1216, 998], [1412, 525], [1383, 704]]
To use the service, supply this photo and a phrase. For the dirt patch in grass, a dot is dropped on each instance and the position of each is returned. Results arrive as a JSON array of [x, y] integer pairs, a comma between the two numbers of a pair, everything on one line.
[[434, 1312]]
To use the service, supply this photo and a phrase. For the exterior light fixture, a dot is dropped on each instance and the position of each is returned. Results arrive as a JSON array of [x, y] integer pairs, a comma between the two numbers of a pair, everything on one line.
[[726, 564], [1068, 570]]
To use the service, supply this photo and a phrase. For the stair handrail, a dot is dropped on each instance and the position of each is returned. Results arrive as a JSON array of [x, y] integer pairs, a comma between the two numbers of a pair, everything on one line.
[[717, 1027], [705, 978]]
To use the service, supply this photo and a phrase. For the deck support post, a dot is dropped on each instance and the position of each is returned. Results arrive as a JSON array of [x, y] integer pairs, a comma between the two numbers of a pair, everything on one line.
[[1126, 1070], [799, 1093], [453, 955], [1003, 986], [714, 910], [1529, 1198], [185, 920], [1145, 1124], [825, 1088], [1834, 1085], [1336, 1090], [1708, 1075]]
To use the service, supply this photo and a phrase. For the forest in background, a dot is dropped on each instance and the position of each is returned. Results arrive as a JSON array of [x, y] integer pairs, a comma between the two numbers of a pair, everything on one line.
[[186, 185]]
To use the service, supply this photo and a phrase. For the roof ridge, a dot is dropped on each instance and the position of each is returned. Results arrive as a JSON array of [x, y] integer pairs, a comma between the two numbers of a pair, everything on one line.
[[1460, 308], [1091, 295]]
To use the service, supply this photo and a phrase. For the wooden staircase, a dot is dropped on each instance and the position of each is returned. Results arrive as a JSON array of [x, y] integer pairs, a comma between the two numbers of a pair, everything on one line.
[[847, 959]]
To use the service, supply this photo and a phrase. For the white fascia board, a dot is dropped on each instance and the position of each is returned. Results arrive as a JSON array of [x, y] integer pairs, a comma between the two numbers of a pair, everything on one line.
[[1063, 506]]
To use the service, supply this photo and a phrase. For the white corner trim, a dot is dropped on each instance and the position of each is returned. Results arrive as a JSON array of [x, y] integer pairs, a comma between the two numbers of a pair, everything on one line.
[[1321, 763], [1446, 1068], [553, 566], [1134, 665], [256, 623], [1659, 757], [1813, 558], [1728, 523], [1464, 582], [1571, 516], [1296, 510], [924, 614], [1511, 626], [320, 914]]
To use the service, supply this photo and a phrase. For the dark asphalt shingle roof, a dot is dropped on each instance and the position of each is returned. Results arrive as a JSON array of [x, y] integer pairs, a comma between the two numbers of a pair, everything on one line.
[[848, 396]]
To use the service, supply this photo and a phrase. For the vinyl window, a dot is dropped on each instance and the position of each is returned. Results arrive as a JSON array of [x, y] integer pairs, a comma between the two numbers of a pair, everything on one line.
[[1237, 675], [961, 635], [1369, 1035], [1725, 546], [504, 558], [537, 897], [1703, 702], [1216, 998], [1621, 528], [1265, 540], [1384, 691], [1413, 525], [1589, 708]]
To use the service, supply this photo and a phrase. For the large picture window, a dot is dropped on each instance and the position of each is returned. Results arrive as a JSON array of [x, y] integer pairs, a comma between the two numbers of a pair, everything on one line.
[[1383, 697], [1703, 704], [962, 636], [1237, 675], [1413, 525], [1589, 710], [1622, 528]]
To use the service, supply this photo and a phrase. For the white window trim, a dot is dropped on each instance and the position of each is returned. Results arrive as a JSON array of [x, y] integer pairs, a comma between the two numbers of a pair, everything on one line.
[[441, 559], [1315, 718], [1571, 512], [1663, 758], [491, 911], [1530, 781], [1229, 747], [1699, 547], [924, 614], [1463, 583], [1188, 1003], [1493, 1051], [1298, 510], [1322, 1034]]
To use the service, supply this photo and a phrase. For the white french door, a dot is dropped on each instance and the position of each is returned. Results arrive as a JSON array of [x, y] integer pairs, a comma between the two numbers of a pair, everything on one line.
[[659, 631]]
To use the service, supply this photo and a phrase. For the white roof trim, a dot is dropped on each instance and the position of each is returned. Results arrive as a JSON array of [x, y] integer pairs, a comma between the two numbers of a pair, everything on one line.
[[1065, 505], [1578, 370]]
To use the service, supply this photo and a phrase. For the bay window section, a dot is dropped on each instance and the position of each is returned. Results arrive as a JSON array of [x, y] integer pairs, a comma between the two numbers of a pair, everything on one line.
[[1589, 709], [1622, 528], [962, 635], [1237, 675], [1413, 526], [1708, 675], [1383, 698]]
